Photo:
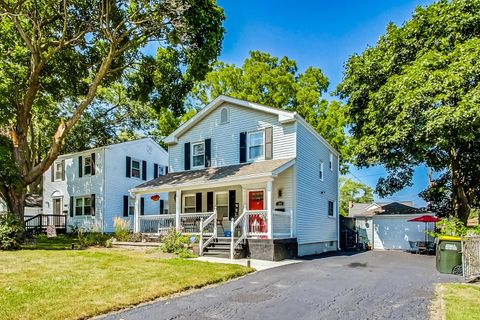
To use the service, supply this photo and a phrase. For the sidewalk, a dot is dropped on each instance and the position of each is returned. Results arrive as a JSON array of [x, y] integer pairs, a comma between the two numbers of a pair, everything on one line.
[[254, 263]]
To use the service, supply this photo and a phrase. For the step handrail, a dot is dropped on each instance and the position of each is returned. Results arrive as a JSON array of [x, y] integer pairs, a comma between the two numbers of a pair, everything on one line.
[[234, 244], [203, 224]]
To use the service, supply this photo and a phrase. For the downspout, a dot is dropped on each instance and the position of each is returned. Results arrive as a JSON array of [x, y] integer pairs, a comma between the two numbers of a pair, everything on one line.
[[104, 191]]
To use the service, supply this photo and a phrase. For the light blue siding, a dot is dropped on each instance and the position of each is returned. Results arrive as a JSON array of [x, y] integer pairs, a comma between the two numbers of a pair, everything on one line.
[[312, 194], [226, 137]]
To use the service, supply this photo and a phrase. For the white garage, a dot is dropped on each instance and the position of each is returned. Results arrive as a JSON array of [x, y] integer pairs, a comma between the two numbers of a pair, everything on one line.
[[395, 231]]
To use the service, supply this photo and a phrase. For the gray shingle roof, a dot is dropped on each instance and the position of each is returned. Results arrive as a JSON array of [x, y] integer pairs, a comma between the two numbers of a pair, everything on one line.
[[215, 175]]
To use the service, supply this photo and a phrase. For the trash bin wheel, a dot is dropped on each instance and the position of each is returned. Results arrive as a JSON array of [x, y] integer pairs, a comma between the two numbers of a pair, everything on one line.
[[457, 270]]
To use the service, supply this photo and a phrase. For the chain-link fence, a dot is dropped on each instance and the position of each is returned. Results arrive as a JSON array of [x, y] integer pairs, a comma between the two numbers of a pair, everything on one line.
[[471, 258]]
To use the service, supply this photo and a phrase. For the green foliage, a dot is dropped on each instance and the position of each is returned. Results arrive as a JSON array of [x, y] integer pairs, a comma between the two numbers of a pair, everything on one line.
[[355, 192], [274, 82], [452, 227], [88, 239], [414, 98], [178, 243], [121, 229], [75, 75], [12, 233]]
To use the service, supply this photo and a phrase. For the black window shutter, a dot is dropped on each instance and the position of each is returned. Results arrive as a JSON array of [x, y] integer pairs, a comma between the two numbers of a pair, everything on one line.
[[243, 147], [92, 205], [186, 156], [72, 206], [142, 206], [210, 201], [231, 203], [162, 206], [129, 167], [155, 170], [208, 152], [269, 143], [166, 170], [198, 202], [63, 170], [92, 164], [125, 206], [80, 166], [52, 171], [144, 170]]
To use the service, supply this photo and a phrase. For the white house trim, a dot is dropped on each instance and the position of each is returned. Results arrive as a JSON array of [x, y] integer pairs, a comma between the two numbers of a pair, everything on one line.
[[283, 116]]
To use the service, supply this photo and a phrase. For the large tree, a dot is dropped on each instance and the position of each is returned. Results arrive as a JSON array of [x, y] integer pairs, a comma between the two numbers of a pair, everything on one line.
[[414, 98], [276, 82], [56, 55], [352, 191]]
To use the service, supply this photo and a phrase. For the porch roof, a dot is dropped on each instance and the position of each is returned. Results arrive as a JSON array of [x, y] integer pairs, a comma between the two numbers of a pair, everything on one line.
[[215, 176]]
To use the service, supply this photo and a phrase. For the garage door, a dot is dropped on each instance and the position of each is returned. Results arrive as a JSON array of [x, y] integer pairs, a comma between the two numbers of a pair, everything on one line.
[[396, 232]]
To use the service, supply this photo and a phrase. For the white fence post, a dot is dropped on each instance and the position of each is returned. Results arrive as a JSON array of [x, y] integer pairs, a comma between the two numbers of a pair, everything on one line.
[[232, 241], [178, 208], [200, 241]]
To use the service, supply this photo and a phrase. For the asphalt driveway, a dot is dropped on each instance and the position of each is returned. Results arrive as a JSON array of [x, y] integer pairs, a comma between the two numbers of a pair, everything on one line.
[[370, 285]]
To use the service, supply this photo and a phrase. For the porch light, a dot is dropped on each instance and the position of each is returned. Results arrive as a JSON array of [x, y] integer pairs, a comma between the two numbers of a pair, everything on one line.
[[155, 197]]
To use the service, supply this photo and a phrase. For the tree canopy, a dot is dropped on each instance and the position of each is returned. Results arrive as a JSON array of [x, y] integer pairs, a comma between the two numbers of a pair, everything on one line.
[[352, 191], [56, 57], [413, 99], [275, 82]]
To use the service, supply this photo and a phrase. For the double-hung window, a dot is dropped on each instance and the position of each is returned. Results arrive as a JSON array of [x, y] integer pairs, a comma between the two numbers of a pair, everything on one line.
[[321, 170], [87, 165], [331, 208], [58, 171], [198, 154], [255, 142], [189, 203], [83, 206], [331, 161], [136, 171]]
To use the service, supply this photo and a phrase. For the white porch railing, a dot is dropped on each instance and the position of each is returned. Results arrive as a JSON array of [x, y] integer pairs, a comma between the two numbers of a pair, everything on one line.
[[242, 224], [257, 223], [282, 224], [190, 222], [207, 227], [156, 224]]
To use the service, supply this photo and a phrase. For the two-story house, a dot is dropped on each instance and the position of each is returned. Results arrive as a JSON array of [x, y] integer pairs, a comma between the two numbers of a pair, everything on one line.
[[244, 174], [91, 187]]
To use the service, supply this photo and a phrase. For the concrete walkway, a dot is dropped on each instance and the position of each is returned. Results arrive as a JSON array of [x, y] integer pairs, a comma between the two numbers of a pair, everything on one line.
[[254, 263], [370, 285]]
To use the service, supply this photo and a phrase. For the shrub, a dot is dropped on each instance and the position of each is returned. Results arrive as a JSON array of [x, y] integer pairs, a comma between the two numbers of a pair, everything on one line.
[[12, 232], [88, 239], [178, 243], [121, 229]]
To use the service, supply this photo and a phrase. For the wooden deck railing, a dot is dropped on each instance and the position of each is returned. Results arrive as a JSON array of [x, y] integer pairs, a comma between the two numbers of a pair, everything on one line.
[[42, 221]]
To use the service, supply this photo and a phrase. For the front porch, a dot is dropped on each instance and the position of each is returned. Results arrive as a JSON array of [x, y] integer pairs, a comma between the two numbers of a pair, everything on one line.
[[222, 211]]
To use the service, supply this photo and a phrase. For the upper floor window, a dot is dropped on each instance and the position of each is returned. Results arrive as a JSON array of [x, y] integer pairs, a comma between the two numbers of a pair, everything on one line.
[[255, 142], [331, 208], [224, 116], [58, 169], [83, 206], [198, 154], [136, 171], [87, 165], [321, 170], [331, 161]]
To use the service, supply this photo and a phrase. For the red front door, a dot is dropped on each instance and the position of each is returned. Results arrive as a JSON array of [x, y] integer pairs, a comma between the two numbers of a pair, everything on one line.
[[255, 200]]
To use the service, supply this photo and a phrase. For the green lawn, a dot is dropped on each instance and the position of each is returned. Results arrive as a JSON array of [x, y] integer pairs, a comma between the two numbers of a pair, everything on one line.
[[461, 301], [69, 284]]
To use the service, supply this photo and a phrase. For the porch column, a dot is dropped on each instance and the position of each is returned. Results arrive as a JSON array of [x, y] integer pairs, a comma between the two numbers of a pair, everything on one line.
[[269, 209], [136, 214], [178, 208]]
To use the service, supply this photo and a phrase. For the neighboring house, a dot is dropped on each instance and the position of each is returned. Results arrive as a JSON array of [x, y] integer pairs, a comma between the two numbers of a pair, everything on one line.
[[386, 226], [33, 205], [259, 167], [91, 187]]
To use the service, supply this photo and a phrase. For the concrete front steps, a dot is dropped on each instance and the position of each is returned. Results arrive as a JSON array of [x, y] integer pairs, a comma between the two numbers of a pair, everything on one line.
[[220, 248]]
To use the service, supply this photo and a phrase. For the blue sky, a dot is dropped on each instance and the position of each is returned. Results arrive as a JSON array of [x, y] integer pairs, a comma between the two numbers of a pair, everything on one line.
[[321, 34]]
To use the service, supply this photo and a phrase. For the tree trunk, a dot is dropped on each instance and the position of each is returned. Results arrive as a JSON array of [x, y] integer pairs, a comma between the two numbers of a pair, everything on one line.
[[461, 204], [15, 199]]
